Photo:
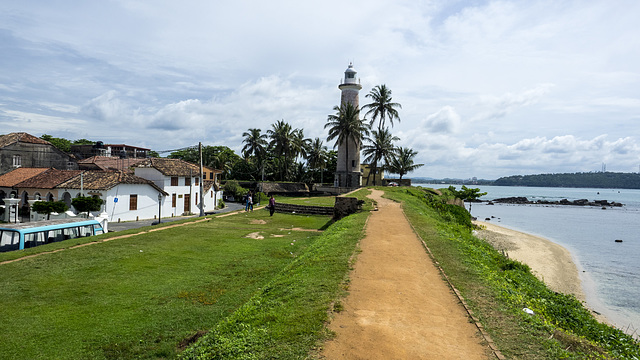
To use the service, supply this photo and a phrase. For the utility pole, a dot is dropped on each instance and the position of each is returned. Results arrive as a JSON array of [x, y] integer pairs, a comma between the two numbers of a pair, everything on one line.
[[201, 182]]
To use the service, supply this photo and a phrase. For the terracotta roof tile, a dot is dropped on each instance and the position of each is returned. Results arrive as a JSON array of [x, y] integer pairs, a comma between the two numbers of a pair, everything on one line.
[[22, 137], [18, 175], [173, 167], [48, 179], [105, 180], [108, 163]]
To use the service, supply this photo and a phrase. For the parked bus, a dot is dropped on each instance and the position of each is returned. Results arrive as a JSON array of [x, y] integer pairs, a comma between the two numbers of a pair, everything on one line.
[[28, 235]]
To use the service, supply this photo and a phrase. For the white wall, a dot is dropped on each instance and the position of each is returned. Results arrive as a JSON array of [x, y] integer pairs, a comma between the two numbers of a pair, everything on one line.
[[119, 211]]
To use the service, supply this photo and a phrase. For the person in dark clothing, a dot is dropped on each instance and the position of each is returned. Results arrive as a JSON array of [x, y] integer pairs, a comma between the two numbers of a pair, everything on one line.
[[272, 205]]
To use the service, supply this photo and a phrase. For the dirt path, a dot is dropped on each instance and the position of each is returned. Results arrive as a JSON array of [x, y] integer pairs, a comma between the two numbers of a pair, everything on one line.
[[398, 306]]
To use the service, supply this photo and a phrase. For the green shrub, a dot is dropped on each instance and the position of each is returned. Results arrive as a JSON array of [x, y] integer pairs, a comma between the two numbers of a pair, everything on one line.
[[232, 188]]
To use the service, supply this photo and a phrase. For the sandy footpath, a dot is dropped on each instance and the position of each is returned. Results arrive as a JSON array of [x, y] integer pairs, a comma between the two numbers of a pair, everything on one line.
[[398, 306], [549, 261]]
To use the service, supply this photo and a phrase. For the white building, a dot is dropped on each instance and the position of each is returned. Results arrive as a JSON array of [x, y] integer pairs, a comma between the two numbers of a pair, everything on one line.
[[126, 197], [181, 181]]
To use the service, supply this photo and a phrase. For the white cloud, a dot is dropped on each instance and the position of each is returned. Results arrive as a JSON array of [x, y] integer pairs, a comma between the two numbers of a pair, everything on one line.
[[509, 86], [445, 120]]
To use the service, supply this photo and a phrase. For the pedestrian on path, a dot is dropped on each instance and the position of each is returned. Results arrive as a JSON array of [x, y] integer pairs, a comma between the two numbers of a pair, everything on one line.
[[246, 201]]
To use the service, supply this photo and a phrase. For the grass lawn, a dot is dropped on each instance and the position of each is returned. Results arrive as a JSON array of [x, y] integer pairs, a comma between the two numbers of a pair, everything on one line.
[[139, 297], [311, 201], [497, 289]]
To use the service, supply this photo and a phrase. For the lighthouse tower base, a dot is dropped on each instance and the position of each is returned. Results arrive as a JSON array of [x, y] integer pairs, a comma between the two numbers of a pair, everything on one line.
[[348, 179]]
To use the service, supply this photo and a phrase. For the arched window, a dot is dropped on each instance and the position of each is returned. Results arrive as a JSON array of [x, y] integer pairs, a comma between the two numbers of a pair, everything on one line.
[[66, 197]]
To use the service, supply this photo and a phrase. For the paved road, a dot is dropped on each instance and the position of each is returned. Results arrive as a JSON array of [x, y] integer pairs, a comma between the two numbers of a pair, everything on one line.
[[115, 226]]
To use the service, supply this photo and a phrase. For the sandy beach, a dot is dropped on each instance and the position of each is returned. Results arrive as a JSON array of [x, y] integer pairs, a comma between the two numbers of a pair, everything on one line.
[[549, 261]]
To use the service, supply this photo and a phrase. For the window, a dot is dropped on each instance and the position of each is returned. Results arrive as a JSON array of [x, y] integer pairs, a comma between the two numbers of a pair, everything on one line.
[[353, 163], [174, 181], [196, 198], [17, 161], [187, 181], [212, 194], [133, 202], [197, 180], [173, 200]]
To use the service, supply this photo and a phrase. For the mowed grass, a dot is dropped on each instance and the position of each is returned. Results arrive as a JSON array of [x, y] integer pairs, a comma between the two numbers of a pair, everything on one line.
[[310, 201], [141, 296]]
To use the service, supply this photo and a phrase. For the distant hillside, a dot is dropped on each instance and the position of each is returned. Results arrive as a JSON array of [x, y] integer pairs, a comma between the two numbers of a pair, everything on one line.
[[578, 180]]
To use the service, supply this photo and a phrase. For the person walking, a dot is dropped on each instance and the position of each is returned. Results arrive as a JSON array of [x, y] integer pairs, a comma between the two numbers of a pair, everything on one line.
[[272, 205], [246, 201], [251, 201]]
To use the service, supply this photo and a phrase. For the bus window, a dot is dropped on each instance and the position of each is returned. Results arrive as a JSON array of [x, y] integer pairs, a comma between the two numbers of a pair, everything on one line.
[[97, 230], [55, 235], [9, 240], [71, 233], [86, 230], [35, 239]]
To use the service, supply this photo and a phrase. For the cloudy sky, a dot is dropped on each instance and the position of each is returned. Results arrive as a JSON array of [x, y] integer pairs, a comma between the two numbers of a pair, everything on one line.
[[488, 88]]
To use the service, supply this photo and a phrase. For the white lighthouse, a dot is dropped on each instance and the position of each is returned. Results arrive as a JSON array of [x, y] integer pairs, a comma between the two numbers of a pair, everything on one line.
[[348, 172]]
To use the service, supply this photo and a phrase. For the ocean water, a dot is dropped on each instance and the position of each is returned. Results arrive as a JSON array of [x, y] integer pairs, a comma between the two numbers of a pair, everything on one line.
[[610, 271]]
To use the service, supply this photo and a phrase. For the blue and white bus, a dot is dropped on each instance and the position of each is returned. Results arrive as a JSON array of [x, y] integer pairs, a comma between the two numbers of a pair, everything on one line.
[[28, 235]]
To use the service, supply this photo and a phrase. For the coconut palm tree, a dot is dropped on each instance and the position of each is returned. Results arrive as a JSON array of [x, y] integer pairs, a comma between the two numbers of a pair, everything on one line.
[[382, 108], [299, 145], [402, 162], [255, 144], [345, 126], [317, 156], [380, 148], [282, 137]]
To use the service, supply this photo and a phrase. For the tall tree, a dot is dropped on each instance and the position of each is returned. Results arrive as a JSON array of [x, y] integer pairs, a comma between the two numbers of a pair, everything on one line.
[[282, 137], [317, 156], [255, 144], [382, 107], [380, 148], [402, 163], [345, 126], [300, 145]]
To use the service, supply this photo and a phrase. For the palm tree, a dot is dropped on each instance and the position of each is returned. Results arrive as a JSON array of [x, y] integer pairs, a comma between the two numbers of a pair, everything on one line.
[[402, 163], [346, 126], [317, 156], [382, 107], [255, 144], [380, 148], [282, 137], [299, 145]]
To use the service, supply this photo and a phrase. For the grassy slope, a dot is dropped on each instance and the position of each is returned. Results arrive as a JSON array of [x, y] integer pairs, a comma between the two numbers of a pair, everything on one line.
[[139, 297], [497, 289], [285, 320]]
